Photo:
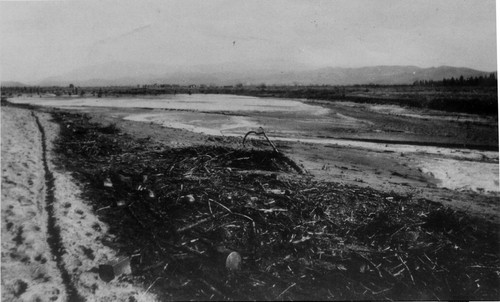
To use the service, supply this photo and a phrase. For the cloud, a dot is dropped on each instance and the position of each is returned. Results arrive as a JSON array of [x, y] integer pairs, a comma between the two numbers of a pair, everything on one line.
[[123, 35]]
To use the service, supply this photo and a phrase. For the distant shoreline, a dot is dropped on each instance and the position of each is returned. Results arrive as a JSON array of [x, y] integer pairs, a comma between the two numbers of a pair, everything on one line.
[[467, 99]]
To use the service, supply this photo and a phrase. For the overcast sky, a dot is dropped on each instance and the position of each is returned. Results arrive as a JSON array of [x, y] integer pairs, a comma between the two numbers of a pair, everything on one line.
[[40, 38]]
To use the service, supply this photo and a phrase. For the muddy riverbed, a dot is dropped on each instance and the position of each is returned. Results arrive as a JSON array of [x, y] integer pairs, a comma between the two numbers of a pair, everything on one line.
[[449, 158]]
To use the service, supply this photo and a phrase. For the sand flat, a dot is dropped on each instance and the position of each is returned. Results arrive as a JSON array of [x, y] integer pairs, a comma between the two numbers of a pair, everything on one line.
[[30, 271]]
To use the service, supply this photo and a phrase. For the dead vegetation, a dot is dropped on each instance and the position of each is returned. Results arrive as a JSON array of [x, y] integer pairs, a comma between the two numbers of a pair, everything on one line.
[[178, 213]]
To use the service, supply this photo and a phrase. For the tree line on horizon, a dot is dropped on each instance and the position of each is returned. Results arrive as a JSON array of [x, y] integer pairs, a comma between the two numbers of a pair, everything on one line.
[[487, 81]]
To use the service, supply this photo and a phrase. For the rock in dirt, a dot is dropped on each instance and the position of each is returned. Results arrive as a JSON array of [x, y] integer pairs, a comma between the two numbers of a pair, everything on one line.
[[233, 261], [188, 198], [112, 269], [108, 183]]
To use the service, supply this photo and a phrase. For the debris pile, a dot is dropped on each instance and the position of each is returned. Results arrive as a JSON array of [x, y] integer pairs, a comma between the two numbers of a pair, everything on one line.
[[214, 222]]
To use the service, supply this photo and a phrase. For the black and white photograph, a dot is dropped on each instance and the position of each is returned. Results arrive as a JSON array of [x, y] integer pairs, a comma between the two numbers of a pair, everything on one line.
[[263, 150]]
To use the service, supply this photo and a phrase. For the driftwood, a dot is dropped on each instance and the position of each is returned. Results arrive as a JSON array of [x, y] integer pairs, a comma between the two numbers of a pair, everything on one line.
[[297, 238], [261, 132]]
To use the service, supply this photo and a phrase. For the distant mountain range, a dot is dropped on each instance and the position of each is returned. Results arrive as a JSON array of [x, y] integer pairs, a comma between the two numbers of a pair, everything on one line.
[[386, 75], [12, 84], [117, 73]]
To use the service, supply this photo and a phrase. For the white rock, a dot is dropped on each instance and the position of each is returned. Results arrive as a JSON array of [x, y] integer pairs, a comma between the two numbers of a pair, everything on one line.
[[188, 198], [233, 261]]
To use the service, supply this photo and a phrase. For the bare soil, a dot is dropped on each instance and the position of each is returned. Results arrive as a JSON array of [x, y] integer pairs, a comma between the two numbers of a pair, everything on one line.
[[28, 268]]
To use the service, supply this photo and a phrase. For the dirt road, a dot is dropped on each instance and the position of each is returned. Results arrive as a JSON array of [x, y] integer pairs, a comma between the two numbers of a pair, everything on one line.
[[51, 239]]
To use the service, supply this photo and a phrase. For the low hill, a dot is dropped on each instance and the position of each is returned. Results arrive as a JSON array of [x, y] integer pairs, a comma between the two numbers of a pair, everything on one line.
[[12, 84], [116, 73]]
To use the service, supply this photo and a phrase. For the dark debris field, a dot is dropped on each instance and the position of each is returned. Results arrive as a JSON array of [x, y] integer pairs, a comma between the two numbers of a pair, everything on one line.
[[178, 213]]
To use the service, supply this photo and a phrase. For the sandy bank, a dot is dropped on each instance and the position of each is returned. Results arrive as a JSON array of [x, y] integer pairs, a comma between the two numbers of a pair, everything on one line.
[[31, 269], [28, 268]]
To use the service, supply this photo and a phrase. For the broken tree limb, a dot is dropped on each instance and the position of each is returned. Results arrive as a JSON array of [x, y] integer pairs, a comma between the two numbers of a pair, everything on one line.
[[370, 262], [212, 288], [407, 268], [201, 221], [263, 134]]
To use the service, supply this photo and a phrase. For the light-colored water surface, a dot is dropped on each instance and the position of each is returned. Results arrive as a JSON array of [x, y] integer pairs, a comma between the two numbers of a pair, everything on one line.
[[199, 122], [195, 102]]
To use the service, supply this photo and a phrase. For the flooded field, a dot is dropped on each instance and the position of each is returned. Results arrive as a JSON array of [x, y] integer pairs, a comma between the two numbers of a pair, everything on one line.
[[195, 102], [343, 125]]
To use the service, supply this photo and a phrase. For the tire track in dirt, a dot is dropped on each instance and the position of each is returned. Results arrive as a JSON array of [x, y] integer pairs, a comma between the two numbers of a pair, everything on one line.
[[54, 232]]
